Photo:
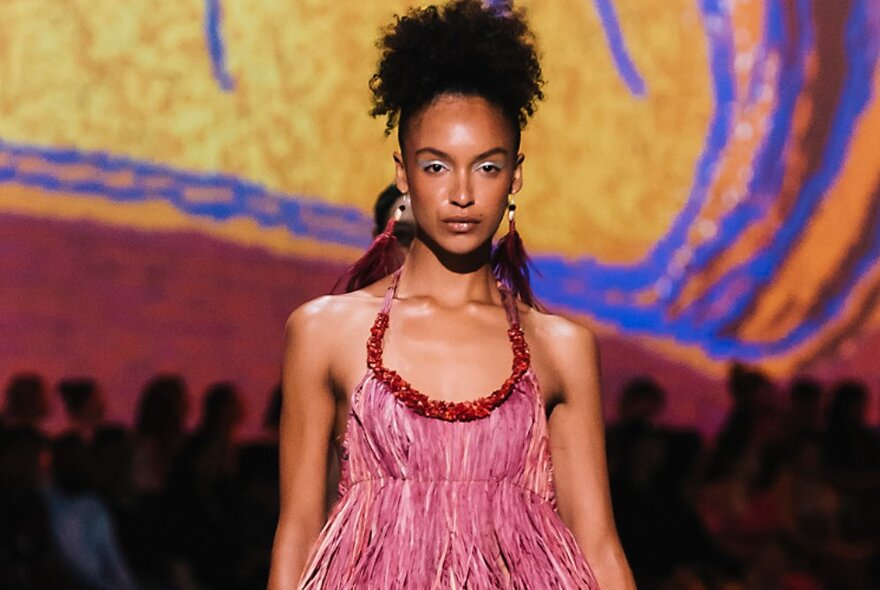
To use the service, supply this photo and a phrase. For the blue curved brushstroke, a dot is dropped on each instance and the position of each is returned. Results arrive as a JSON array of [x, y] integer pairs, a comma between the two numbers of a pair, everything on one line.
[[743, 281], [216, 47], [619, 52], [768, 168], [861, 63], [734, 291], [302, 216], [594, 278], [731, 295]]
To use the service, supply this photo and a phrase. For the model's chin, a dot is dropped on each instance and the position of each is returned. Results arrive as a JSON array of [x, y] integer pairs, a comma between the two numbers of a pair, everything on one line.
[[463, 244], [456, 241]]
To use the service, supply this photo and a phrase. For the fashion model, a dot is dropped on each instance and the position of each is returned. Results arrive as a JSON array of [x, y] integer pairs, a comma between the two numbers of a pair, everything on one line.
[[468, 421]]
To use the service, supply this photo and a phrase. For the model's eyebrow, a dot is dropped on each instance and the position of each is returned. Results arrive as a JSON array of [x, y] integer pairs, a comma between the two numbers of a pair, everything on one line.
[[441, 154]]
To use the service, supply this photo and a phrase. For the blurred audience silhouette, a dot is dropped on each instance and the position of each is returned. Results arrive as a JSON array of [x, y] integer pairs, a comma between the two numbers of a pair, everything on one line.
[[26, 404], [783, 497], [83, 404]]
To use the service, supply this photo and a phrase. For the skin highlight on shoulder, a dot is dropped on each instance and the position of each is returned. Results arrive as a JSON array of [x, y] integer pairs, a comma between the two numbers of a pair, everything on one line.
[[339, 306], [557, 327]]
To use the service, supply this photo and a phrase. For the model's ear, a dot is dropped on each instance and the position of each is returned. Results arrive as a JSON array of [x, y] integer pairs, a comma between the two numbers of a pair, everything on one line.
[[400, 174], [516, 183]]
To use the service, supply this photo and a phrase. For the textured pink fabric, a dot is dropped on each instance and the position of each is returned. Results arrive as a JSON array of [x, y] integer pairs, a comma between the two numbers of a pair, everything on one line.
[[427, 503]]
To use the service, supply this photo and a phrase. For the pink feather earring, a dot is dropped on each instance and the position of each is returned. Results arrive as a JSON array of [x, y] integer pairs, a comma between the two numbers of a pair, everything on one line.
[[383, 257], [510, 263]]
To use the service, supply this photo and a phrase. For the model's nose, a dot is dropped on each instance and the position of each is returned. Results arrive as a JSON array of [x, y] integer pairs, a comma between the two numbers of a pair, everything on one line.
[[462, 194]]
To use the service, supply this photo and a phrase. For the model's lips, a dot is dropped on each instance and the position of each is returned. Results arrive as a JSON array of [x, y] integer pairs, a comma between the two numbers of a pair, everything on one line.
[[461, 223]]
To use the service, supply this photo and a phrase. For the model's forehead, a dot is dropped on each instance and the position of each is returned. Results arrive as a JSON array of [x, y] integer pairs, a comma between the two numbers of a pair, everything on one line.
[[456, 120]]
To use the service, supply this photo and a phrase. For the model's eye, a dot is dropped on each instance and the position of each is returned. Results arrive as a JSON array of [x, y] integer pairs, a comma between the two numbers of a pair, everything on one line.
[[434, 167], [489, 167]]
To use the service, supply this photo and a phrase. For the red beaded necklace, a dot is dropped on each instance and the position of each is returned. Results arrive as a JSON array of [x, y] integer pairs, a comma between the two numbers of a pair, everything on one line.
[[442, 409]]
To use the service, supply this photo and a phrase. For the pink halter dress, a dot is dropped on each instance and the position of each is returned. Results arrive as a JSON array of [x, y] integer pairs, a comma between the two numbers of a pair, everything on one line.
[[447, 495]]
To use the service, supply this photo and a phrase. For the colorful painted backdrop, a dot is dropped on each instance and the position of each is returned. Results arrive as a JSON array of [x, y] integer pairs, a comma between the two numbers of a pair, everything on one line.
[[702, 183]]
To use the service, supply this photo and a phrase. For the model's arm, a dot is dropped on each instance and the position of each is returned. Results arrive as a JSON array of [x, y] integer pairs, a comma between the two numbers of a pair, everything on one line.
[[577, 440], [306, 425]]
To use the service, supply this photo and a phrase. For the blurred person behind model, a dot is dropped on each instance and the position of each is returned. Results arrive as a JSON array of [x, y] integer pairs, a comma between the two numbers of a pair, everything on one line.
[[203, 492], [84, 406], [26, 404], [389, 201]]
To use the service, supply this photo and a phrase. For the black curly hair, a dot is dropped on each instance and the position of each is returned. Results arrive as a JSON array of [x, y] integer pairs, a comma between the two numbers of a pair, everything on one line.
[[465, 47]]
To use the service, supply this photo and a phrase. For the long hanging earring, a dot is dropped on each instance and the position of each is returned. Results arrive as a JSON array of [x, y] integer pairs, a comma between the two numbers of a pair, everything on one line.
[[383, 257], [510, 263]]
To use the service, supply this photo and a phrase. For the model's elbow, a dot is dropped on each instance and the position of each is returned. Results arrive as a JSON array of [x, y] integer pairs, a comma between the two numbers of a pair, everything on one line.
[[605, 555], [294, 538]]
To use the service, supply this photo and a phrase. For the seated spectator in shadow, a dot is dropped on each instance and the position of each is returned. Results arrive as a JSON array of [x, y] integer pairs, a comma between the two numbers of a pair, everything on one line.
[[204, 493], [159, 432], [26, 404], [112, 451], [28, 558], [112, 456], [805, 408], [213, 447], [27, 555], [158, 439], [83, 404], [82, 526], [641, 403], [773, 568], [851, 446], [142, 525], [651, 467], [810, 503], [258, 476], [754, 398], [852, 456], [811, 517], [738, 502]]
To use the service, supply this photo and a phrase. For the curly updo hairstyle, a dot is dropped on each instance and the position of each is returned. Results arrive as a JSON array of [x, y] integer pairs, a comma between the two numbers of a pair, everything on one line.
[[465, 47]]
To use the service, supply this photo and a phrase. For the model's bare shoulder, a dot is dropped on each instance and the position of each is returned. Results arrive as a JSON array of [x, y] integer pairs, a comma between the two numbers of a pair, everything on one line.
[[561, 336], [329, 317], [324, 344], [317, 311], [564, 351]]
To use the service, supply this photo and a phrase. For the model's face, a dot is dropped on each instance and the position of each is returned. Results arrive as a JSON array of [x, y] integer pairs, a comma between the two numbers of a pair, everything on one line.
[[459, 164]]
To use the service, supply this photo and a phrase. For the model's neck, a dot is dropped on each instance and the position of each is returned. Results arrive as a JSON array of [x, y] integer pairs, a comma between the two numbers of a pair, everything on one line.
[[449, 279]]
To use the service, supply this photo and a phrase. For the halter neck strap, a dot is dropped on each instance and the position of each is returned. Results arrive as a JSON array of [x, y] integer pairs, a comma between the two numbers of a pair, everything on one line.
[[391, 291], [508, 300]]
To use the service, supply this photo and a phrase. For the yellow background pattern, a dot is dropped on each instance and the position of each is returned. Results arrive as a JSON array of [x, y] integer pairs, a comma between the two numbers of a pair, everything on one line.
[[134, 79]]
